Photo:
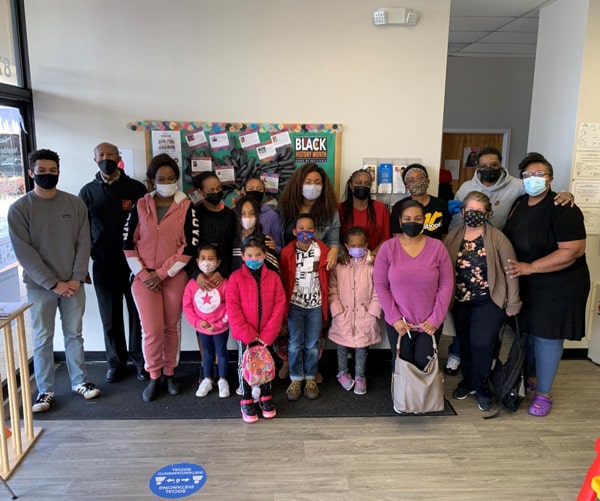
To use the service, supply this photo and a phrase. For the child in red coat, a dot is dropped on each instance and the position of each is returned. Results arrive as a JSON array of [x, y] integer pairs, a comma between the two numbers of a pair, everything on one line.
[[255, 305]]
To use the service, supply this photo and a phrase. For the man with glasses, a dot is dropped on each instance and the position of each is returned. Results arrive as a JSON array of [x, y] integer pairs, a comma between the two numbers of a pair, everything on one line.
[[50, 234]]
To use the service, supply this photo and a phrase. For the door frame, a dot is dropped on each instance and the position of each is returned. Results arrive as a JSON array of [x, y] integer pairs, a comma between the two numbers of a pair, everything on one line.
[[505, 139]]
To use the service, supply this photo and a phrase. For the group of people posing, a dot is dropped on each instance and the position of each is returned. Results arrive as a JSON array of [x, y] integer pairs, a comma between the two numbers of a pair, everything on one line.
[[290, 277]]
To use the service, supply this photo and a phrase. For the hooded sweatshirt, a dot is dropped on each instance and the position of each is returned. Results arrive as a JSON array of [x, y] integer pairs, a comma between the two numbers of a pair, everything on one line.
[[502, 195]]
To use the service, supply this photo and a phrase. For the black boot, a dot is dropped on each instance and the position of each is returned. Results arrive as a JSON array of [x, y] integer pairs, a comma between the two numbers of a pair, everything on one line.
[[150, 391], [173, 386]]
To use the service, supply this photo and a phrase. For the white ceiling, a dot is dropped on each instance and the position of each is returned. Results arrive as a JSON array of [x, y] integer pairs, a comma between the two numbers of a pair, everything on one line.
[[494, 28]]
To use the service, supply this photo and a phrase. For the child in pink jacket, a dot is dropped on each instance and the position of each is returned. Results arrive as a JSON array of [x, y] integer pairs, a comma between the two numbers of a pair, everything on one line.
[[255, 305], [206, 311], [355, 310]]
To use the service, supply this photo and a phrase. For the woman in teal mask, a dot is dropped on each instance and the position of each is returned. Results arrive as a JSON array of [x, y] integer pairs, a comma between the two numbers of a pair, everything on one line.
[[554, 279]]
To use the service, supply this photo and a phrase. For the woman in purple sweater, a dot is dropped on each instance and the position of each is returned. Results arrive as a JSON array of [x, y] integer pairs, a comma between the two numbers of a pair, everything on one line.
[[414, 280]]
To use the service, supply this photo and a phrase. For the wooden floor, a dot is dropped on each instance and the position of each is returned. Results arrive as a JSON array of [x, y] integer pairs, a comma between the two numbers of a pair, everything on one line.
[[514, 457]]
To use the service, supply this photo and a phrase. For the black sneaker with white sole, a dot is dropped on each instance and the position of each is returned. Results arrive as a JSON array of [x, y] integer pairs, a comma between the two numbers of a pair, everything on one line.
[[43, 402], [461, 393]]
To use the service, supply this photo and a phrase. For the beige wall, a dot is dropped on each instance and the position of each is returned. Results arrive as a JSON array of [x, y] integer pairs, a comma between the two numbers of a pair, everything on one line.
[[98, 64]]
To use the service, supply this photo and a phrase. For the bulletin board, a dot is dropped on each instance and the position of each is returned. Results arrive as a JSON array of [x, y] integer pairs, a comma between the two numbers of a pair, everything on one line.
[[238, 151]]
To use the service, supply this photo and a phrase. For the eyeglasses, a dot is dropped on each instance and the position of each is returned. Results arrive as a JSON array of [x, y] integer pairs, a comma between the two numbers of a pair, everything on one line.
[[490, 166], [537, 173]]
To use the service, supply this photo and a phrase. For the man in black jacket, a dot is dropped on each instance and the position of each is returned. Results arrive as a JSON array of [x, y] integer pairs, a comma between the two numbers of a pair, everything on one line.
[[109, 198]]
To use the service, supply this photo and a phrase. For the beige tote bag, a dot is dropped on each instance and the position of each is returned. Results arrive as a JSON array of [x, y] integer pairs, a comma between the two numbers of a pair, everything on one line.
[[418, 391]]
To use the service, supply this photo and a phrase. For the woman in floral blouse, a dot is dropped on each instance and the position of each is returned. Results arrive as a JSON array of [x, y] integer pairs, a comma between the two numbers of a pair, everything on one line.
[[483, 296]]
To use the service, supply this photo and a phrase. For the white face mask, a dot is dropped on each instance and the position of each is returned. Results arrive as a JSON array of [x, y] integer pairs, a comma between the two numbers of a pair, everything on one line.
[[311, 191], [207, 266], [166, 190], [248, 223]]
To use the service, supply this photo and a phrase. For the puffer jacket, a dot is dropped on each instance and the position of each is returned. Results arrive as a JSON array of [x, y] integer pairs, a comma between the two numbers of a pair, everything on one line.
[[354, 305], [242, 298]]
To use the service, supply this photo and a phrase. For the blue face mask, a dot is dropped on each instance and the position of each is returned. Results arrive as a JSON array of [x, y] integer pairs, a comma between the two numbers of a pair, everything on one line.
[[305, 236], [357, 252], [534, 186], [254, 264]]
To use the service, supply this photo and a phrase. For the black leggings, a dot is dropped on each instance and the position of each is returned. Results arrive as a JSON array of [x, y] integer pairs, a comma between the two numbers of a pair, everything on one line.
[[415, 349]]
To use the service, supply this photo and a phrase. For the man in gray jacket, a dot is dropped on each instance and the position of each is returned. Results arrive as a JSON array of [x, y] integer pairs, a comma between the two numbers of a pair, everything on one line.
[[50, 234]]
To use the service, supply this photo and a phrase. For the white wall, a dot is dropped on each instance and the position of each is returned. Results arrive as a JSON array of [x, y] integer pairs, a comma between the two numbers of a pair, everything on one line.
[[99, 64], [491, 93], [559, 58]]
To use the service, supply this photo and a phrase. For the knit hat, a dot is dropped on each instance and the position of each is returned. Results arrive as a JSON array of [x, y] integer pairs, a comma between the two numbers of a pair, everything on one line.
[[411, 167]]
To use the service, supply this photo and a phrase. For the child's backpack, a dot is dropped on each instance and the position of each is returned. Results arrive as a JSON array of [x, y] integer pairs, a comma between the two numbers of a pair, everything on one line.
[[508, 378], [258, 366]]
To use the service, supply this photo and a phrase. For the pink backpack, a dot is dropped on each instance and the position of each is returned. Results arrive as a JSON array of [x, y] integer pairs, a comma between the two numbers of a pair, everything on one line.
[[258, 366]]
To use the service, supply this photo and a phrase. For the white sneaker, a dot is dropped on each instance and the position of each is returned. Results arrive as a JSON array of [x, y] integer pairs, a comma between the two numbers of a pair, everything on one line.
[[205, 386], [238, 391], [256, 393], [223, 388], [452, 366], [86, 390]]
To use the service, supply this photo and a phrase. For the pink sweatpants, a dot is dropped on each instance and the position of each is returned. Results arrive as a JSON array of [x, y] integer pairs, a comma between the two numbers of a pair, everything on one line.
[[160, 313]]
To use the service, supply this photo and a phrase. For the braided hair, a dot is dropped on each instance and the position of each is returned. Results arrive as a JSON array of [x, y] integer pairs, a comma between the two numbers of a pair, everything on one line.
[[347, 202]]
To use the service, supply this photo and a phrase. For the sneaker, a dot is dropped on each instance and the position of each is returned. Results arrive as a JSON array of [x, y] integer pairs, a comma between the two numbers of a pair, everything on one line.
[[461, 393], [360, 388], [311, 390], [238, 391], [205, 386], [249, 414], [223, 388], [86, 390], [43, 402], [484, 403], [345, 380], [452, 366], [294, 391], [256, 392], [267, 407]]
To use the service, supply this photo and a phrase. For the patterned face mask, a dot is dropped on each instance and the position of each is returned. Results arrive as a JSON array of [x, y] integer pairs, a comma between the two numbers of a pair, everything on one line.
[[418, 188], [474, 218]]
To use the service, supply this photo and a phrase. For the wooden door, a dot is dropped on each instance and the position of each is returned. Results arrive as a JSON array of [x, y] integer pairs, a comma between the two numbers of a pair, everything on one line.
[[463, 147]]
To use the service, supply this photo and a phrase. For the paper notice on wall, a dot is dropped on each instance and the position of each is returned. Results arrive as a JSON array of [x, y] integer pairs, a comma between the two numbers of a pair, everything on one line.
[[126, 162], [587, 192], [196, 138], [591, 219], [453, 166], [587, 164], [588, 137], [169, 142]]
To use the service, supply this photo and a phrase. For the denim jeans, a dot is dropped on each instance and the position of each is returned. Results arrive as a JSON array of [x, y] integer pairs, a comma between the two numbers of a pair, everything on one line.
[[542, 356], [360, 360], [304, 326], [211, 344], [454, 348], [43, 316]]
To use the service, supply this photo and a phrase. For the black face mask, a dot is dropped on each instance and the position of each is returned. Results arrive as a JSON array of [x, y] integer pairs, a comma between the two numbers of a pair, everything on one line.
[[46, 181], [108, 166], [412, 229], [214, 198], [489, 175], [361, 192], [256, 195]]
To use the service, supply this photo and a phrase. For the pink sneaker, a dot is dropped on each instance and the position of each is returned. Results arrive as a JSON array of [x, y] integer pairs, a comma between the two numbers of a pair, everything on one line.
[[345, 380], [360, 388]]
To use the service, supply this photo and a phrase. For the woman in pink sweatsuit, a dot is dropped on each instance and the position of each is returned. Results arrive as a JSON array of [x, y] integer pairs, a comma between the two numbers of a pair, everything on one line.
[[161, 236]]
